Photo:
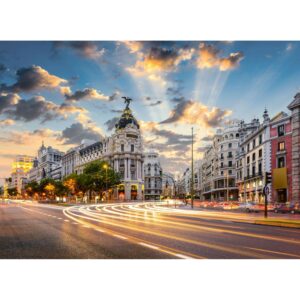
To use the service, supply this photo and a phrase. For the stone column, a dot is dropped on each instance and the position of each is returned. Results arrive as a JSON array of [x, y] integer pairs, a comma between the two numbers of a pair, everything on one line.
[[295, 108]]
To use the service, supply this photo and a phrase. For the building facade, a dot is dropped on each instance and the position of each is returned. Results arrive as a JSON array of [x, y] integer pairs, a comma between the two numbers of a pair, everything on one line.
[[47, 164], [153, 176], [21, 166], [281, 157]]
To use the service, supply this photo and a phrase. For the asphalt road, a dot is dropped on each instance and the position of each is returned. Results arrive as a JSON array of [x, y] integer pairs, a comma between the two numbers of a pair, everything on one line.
[[139, 230]]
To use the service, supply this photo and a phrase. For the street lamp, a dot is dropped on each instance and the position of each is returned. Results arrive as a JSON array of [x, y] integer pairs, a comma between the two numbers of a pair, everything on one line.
[[105, 166]]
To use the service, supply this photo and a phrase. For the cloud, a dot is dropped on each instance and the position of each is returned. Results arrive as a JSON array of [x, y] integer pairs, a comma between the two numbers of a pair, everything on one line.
[[158, 102], [32, 79], [154, 62], [133, 46], [207, 138], [7, 101], [35, 108], [85, 94], [110, 124], [77, 132], [114, 96], [289, 47], [190, 112], [7, 122], [85, 49], [27, 137], [209, 57], [178, 99]]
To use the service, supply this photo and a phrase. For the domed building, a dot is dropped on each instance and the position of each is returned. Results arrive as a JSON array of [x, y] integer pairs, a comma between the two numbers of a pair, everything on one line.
[[124, 151]]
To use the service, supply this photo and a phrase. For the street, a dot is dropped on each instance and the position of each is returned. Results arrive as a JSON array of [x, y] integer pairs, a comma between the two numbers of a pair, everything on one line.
[[137, 230]]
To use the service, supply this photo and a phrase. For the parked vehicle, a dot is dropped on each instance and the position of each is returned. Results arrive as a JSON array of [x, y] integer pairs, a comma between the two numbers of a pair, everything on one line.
[[287, 208]]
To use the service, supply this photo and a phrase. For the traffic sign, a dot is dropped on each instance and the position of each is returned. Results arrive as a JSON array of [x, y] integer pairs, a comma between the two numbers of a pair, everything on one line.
[[266, 190]]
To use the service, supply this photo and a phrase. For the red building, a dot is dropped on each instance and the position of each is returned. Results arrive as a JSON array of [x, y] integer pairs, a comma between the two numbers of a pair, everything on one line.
[[281, 157]]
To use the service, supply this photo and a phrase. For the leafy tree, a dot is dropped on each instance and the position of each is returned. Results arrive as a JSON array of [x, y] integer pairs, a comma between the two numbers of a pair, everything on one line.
[[1, 190], [12, 191], [48, 186], [32, 188], [60, 189], [100, 176]]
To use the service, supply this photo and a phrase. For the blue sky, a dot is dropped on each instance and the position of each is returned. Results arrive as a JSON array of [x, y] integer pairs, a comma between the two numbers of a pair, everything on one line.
[[75, 90]]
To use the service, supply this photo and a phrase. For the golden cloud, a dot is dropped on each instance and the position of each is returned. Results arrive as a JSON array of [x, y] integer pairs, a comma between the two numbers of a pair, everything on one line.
[[208, 57]]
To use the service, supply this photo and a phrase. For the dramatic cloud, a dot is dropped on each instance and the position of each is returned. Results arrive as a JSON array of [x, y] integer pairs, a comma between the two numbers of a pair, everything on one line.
[[190, 112], [32, 79], [209, 57], [178, 99], [114, 96], [110, 124], [77, 132], [35, 108], [207, 138], [86, 94], [85, 49], [7, 101], [154, 62]]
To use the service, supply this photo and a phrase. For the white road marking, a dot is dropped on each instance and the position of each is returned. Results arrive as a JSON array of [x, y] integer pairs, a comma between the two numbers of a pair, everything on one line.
[[120, 236], [66, 220], [183, 256], [85, 226], [59, 218], [74, 223], [149, 246]]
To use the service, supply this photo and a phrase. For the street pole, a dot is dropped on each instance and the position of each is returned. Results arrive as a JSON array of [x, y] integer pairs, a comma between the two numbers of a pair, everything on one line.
[[106, 184], [192, 168], [227, 184]]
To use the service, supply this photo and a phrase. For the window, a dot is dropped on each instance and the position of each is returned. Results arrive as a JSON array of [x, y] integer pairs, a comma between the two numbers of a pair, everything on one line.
[[229, 154], [260, 139], [229, 145], [132, 148], [280, 162], [248, 147], [122, 147], [253, 144], [248, 159], [260, 153], [281, 146], [253, 157], [253, 170], [259, 168], [229, 172], [230, 163], [280, 130]]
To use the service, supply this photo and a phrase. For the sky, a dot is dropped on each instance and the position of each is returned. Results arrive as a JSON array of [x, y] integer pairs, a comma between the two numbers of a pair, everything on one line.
[[65, 91]]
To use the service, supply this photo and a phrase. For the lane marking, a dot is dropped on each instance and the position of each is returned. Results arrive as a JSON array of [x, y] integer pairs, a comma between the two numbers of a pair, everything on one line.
[[66, 220], [149, 246], [85, 226], [183, 256], [59, 218], [120, 236], [75, 223]]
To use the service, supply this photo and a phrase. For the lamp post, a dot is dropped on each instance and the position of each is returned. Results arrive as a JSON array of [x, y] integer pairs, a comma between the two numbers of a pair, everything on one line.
[[192, 169], [106, 167]]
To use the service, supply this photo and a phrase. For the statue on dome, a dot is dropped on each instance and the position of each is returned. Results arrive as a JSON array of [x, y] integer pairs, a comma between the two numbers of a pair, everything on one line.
[[127, 101]]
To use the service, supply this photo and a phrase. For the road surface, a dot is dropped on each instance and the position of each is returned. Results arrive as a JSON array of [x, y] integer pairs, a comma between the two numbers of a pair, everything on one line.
[[137, 230]]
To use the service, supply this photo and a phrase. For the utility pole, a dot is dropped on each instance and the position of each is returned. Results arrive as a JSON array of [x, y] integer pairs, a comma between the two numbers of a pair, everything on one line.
[[192, 171]]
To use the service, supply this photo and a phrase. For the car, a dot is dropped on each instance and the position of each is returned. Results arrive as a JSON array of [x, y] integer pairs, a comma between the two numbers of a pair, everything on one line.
[[250, 207], [287, 208]]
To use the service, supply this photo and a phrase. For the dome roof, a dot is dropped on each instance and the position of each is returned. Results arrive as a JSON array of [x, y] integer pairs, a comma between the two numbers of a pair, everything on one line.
[[126, 118]]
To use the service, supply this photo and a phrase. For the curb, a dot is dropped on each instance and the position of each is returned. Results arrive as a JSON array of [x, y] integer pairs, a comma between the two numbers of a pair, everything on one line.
[[277, 223]]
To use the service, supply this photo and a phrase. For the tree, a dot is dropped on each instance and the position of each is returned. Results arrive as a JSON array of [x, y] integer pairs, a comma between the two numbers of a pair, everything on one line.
[[100, 176], [1, 190], [32, 188], [60, 189], [48, 187], [12, 191]]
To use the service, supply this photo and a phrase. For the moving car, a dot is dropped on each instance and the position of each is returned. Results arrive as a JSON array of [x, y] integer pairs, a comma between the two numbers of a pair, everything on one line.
[[287, 208]]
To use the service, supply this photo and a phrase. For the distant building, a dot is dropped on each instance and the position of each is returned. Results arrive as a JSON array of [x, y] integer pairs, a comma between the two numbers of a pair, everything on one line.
[[152, 176], [47, 164], [21, 166], [169, 185]]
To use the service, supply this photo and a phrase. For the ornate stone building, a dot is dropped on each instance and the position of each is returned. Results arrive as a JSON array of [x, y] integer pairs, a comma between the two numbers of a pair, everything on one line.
[[123, 150], [294, 106]]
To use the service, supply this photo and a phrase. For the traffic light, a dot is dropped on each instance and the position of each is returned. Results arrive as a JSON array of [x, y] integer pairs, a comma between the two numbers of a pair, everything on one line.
[[268, 178]]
